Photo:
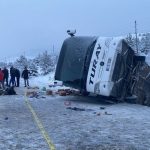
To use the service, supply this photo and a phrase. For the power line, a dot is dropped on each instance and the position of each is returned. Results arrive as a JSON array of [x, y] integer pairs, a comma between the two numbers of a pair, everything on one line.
[[136, 36]]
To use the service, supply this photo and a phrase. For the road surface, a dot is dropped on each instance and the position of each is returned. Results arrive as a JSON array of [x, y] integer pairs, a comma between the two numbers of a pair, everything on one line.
[[88, 124]]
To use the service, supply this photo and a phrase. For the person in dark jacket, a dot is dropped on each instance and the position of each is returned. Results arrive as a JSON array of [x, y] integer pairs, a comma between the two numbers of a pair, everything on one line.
[[17, 75], [12, 76], [6, 75], [25, 75]]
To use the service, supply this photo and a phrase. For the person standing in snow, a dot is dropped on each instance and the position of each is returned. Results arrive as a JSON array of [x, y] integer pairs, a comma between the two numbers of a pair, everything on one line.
[[25, 75], [1, 79], [17, 75], [12, 76], [6, 75]]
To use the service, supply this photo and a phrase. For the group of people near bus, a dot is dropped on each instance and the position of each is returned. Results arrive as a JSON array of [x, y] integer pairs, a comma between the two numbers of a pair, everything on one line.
[[11, 77]]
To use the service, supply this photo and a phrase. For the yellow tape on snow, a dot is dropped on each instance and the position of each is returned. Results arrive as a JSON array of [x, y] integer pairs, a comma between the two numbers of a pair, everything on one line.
[[39, 124]]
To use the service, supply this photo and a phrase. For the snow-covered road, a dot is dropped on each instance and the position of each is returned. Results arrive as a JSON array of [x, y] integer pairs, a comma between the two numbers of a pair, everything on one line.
[[101, 126]]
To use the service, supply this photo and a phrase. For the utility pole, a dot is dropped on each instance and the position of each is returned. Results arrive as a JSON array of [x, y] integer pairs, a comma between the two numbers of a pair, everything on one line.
[[24, 53], [136, 40], [53, 49]]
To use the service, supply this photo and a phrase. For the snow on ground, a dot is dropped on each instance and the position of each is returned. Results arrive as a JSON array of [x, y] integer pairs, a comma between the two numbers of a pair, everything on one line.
[[102, 126], [123, 127], [42, 81], [46, 81], [148, 59]]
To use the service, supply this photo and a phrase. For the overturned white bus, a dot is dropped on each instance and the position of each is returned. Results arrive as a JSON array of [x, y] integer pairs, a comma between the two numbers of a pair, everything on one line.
[[96, 65]]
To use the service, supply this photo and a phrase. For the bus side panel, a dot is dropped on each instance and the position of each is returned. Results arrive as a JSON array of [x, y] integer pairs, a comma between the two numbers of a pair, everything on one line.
[[99, 74]]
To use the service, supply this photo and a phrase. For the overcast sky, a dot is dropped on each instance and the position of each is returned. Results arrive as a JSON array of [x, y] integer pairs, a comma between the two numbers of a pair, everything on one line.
[[33, 25]]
